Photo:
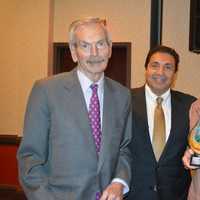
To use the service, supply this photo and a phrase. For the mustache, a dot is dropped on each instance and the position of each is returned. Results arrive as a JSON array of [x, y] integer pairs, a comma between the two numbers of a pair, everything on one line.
[[162, 78], [95, 59]]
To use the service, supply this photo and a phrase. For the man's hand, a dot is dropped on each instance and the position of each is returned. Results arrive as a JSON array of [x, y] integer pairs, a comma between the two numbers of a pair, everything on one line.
[[114, 191], [186, 159], [194, 113]]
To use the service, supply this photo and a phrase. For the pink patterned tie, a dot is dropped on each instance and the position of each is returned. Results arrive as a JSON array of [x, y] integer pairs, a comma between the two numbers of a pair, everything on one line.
[[95, 122], [94, 116]]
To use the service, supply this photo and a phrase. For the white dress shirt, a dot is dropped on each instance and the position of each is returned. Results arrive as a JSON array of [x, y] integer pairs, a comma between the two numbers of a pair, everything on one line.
[[151, 104], [85, 83]]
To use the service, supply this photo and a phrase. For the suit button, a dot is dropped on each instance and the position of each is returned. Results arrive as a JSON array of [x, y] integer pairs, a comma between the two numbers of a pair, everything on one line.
[[155, 188]]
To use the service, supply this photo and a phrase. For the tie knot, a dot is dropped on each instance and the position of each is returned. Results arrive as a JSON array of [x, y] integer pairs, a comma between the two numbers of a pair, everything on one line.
[[94, 87], [159, 100]]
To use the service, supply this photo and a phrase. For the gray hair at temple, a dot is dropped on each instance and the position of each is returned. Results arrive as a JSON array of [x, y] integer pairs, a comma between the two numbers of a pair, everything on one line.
[[74, 25]]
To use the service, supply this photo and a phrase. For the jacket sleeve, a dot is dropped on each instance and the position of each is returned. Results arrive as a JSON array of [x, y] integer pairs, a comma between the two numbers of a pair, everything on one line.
[[123, 170], [33, 151]]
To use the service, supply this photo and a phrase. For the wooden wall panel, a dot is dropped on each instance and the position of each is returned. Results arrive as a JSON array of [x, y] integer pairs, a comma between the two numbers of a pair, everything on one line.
[[8, 166]]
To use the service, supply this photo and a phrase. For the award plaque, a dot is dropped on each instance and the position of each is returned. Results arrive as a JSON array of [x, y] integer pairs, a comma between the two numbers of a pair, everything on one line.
[[194, 142]]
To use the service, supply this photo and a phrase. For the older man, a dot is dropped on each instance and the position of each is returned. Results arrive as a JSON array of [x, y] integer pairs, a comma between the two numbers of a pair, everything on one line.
[[78, 126]]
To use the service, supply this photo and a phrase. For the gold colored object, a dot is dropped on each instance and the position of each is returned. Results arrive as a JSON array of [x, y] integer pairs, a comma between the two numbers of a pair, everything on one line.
[[158, 141], [194, 143]]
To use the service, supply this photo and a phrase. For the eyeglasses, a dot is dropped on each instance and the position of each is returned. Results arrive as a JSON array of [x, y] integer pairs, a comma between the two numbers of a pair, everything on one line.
[[166, 66], [85, 46]]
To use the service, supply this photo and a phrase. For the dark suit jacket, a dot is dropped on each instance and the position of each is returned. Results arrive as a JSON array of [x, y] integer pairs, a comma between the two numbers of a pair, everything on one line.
[[166, 179], [57, 156]]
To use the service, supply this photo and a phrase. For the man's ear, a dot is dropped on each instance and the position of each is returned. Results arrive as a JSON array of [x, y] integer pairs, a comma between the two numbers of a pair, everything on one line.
[[73, 53], [110, 50], [174, 80]]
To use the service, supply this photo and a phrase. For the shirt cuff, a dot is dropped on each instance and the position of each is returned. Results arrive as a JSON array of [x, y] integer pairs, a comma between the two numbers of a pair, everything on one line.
[[119, 180]]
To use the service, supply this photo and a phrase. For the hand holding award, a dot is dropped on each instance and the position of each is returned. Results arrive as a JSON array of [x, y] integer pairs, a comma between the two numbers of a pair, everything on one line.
[[194, 142]]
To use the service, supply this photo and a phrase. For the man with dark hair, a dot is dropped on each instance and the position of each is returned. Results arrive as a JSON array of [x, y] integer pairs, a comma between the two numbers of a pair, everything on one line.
[[163, 49], [160, 130]]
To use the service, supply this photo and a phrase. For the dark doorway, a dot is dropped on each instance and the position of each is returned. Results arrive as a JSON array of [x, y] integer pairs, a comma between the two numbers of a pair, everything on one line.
[[119, 66]]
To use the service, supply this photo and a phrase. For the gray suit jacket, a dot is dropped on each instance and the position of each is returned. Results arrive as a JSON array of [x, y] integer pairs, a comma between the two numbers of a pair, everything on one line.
[[57, 156]]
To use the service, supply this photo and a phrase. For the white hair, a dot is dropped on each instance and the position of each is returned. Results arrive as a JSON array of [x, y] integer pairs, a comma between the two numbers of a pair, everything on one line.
[[74, 25]]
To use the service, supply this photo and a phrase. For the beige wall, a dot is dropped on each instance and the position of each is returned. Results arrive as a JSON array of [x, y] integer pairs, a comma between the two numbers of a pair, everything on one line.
[[128, 21], [23, 57], [27, 27], [176, 33]]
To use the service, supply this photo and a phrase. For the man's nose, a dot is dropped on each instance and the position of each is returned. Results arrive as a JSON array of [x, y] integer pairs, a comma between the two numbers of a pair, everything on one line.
[[161, 69], [94, 50]]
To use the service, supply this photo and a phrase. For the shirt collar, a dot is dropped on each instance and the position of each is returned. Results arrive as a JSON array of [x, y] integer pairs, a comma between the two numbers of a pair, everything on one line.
[[153, 96], [86, 82]]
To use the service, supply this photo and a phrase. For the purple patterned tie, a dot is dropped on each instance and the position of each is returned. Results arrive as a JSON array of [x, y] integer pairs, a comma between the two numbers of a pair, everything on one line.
[[95, 122], [94, 116], [98, 196]]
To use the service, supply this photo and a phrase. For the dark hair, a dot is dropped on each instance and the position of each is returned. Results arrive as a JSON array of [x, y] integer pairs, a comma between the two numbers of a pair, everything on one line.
[[163, 49]]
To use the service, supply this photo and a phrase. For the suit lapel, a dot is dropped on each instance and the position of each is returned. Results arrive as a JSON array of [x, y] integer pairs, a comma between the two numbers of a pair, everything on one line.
[[77, 106], [107, 128], [176, 116], [140, 109]]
